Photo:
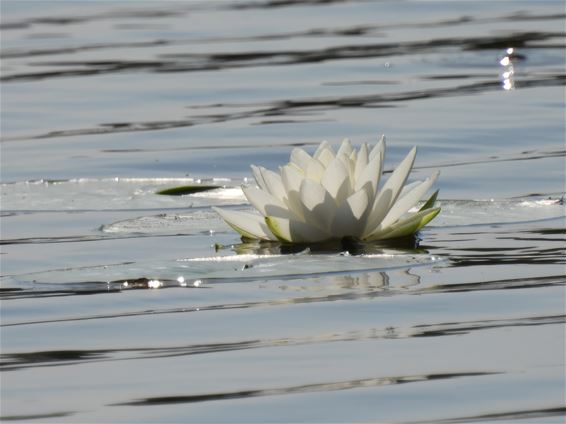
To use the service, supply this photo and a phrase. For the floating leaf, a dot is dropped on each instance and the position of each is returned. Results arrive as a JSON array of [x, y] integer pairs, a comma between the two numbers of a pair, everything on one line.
[[187, 189]]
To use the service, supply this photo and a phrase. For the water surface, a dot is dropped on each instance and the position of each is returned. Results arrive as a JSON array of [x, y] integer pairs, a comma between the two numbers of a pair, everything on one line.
[[119, 305]]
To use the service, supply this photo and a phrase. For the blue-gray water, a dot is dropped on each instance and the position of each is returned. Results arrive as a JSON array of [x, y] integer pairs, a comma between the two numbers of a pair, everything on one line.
[[105, 102]]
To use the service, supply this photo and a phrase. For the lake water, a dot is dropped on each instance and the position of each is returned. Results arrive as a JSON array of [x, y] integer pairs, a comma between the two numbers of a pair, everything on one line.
[[105, 102]]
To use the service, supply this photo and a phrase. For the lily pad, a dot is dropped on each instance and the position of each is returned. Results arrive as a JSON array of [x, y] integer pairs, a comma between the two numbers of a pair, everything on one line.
[[187, 189]]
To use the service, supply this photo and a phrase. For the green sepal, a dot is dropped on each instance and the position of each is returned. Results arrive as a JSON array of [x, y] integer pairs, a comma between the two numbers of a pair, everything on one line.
[[275, 229], [430, 202], [245, 235], [409, 226]]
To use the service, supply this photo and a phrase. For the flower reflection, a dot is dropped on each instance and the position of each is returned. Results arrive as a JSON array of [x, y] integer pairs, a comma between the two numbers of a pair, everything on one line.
[[344, 247], [365, 281]]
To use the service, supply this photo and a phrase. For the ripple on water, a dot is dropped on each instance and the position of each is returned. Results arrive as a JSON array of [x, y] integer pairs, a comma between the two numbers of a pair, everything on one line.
[[122, 305]]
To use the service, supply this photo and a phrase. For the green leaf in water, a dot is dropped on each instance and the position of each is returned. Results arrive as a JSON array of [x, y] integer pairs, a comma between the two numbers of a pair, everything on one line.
[[188, 189]]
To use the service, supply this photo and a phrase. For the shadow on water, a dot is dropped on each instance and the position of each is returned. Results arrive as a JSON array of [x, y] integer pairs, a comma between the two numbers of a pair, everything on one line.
[[300, 107], [36, 416], [513, 283], [193, 62], [345, 246], [16, 361], [508, 247], [349, 31], [216, 61], [306, 388], [528, 414], [362, 287], [187, 62], [159, 13]]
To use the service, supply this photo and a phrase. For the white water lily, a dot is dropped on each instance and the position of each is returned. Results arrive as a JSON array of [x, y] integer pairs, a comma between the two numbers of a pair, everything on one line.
[[332, 195]]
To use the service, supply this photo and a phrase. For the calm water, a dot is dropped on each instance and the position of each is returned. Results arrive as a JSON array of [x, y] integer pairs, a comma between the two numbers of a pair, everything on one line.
[[105, 102]]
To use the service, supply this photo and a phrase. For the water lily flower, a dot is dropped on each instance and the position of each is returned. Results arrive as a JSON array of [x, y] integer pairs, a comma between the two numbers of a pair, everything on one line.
[[331, 195]]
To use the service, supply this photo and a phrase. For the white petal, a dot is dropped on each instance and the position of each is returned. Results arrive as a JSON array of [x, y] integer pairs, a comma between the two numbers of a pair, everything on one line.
[[265, 203], [318, 205], [370, 176], [300, 158], [378, 148], [295, 231], [315, 170], [256, 171], [310, 166], [353, 156], [258, 177], [361, 162], [326, 156], [345, 148], [336, 181], [295, 205], [389, 192], [350, 167], [377, 211], [358, 203], [292, 180], [403, 204], [248, 225], [273, 183], [409, 187], [349, 216], [325, 145]]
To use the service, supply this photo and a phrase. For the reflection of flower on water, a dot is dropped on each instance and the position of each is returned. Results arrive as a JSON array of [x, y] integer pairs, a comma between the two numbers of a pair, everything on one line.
[[333, 285], [344, 248], [377, 280], [334, 195], [366, 281], [365, 284]]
